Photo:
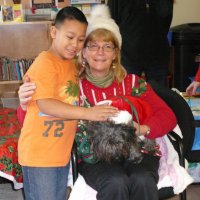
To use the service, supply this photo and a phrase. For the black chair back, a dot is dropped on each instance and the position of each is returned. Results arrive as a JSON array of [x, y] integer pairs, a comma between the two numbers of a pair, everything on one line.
[[185, 118]]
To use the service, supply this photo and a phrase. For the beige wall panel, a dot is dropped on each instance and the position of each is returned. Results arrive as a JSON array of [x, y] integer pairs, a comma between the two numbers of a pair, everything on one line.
[[186, 11], [25, 40]]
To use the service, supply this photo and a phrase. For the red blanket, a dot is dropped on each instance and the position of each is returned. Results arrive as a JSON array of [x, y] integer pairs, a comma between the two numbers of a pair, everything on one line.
[[9, 134]]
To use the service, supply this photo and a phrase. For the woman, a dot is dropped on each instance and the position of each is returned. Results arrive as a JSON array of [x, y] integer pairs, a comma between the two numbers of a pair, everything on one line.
[[103, 77]]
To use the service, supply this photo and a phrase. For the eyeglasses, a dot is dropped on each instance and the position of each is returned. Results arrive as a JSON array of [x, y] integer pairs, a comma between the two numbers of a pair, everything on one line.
[[106, 47]]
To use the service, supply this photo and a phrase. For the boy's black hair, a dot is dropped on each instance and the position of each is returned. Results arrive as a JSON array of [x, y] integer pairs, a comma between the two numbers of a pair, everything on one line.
[[70, 13]]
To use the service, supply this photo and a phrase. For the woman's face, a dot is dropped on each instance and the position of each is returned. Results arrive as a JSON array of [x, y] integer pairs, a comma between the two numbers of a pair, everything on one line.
[[99, 55]]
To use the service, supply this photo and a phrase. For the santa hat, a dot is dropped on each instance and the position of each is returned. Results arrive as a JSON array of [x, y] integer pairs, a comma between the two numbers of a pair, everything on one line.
[[123, 116], [100, 18], [142, 109]]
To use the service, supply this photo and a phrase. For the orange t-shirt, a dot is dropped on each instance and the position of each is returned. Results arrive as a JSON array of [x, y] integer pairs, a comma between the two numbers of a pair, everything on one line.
[[46, 141]]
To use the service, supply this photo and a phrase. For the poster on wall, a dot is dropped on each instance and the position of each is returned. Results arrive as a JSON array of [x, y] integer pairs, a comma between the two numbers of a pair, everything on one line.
[[85, 1], [40, 4], [7, 12], [11, 13]]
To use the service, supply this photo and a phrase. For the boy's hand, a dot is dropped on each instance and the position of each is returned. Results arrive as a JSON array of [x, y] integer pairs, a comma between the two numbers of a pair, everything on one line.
[[25, 92], [100, 113]]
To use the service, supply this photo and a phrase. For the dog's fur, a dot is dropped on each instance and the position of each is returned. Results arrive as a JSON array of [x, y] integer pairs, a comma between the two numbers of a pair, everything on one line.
[[112, 142]]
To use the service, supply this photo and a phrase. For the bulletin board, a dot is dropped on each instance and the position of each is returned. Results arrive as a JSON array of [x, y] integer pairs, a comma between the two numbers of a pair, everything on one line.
[[26, 3], [85, 1], [43, 3]]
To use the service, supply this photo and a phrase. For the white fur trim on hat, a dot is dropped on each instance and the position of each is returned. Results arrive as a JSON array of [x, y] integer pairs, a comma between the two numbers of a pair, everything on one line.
[[123, 117], [100, 18]]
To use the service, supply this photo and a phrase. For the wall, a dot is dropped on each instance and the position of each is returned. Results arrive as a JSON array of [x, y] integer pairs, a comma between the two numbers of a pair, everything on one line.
[[186, 11], [24, 40]]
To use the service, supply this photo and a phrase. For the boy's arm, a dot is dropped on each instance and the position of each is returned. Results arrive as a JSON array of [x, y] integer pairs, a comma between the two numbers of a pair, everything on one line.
[[59, 109], [64, 110], [26, 91]]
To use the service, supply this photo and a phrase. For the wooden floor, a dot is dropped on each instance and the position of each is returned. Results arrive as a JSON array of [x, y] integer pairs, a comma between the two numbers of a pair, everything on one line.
[[193, 193], [7, 193]]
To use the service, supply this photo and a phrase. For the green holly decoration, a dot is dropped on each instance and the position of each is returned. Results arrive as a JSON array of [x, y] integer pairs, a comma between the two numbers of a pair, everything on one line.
[[138, 91], [18, 170], [11, 149]]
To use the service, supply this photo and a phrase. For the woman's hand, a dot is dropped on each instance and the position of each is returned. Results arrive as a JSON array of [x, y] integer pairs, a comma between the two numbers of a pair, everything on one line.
[[192, 88], [25, 92], [140, 130]]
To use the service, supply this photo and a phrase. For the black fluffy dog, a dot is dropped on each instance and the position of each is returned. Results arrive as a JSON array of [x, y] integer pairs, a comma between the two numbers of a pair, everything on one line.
[[113, 142]]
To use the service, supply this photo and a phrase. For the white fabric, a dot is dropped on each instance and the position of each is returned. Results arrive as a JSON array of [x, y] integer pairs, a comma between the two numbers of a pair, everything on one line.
[[170, 171], [16, 184], [177, 130], [123, 117], [82, 191]]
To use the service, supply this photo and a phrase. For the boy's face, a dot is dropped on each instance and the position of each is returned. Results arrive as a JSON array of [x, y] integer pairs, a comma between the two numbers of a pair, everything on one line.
[[68, 38]]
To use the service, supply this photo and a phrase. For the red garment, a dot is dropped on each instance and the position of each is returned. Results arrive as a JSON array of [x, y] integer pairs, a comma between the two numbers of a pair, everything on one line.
[[21, 115], [162, 120], [197, 76]]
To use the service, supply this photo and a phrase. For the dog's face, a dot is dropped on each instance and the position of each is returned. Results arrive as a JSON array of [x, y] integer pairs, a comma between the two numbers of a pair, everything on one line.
[[112, 142]]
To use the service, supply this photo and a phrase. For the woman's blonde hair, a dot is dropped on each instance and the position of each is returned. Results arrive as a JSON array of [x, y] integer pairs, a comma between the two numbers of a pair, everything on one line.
[[108, 36]]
